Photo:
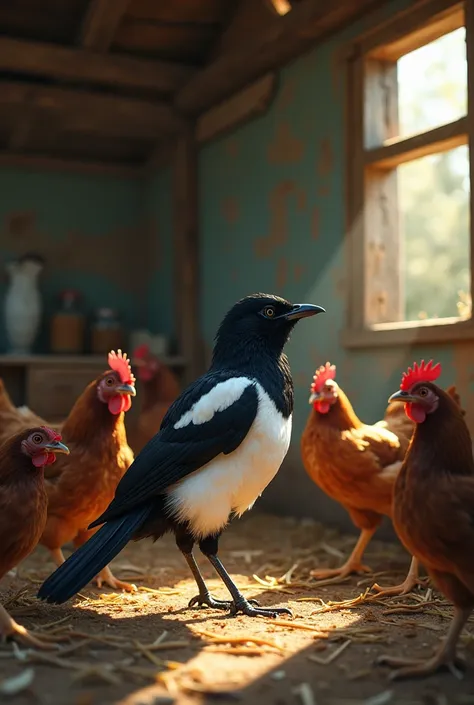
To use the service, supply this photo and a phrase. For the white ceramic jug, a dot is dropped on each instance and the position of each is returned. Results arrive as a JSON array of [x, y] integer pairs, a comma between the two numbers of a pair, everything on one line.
[[23, 305]]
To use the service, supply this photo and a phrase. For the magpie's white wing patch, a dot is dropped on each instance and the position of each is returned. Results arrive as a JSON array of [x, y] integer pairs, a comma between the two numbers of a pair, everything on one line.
[[219, 398]]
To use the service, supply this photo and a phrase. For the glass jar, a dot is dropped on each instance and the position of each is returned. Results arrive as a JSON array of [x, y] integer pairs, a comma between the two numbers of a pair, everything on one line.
[[107, 331], [68, 325]]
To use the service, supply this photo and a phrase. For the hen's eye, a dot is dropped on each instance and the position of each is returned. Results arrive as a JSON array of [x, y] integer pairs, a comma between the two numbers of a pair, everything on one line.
[[423, 392], [109, 381], [269, 311], [37, 438]]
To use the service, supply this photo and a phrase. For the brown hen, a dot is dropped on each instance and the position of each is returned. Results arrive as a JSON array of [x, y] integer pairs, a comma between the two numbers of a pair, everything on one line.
[[23, 506], [81, 488], [356, 465], [433, 506], [159, 388]]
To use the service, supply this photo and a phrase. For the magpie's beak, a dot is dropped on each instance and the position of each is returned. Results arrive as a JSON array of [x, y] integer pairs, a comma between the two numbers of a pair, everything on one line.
[[126, 389], [56, 447], [302, 311], [403, 397]]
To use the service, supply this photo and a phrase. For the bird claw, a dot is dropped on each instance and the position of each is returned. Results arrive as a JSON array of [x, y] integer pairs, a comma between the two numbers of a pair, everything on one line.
[[245, 607], [349, 568], [415, 668], [115, 584], [206, 600]]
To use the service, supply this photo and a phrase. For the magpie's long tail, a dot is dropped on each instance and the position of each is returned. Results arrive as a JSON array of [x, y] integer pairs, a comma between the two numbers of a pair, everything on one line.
[[89, 559]]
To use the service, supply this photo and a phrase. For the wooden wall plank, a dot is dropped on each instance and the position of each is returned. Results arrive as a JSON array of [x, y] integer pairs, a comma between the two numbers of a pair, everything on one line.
[[186, 253]]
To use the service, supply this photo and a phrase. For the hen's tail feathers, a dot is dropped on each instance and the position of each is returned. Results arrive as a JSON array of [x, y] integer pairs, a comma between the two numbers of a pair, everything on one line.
[[85, 563]]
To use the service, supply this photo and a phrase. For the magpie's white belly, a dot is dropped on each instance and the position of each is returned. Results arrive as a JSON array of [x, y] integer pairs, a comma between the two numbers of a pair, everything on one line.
[[233, 482]]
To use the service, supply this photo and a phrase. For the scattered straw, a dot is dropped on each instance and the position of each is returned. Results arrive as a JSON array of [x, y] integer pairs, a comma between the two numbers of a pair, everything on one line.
[[216, 639], [332, 657], [305, 693]]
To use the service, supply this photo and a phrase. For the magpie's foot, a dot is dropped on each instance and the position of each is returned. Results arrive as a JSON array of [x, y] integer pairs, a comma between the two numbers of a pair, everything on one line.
[[206, 600], [244, 606]]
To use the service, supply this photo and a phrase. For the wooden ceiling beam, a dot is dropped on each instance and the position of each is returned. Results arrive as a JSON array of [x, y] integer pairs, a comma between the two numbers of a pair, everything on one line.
[[78, 65], [101, 23], [284, 38], [86, 111]]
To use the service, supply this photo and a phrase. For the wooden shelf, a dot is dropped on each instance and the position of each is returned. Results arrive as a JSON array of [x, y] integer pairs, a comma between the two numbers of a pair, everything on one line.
[[68, 360]]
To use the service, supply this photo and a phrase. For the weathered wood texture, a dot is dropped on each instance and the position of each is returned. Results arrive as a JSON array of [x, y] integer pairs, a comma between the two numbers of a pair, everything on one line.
[[81, 66], [101, 22], [284, 38], [250, 102], [186, 252]]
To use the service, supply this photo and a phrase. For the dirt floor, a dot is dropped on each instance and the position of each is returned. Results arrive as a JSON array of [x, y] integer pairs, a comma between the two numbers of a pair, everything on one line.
[[149, 648]]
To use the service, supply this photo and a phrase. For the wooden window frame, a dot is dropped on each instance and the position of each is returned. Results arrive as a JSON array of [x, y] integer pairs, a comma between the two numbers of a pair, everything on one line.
[[372, 166]]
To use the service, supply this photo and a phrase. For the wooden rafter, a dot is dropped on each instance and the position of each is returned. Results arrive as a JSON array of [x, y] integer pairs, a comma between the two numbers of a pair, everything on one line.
[[101, 23], [87, 111], [35, 58], [284, 38]]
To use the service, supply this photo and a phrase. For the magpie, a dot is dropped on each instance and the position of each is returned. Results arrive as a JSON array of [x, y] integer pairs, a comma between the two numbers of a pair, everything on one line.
[[219, 445]]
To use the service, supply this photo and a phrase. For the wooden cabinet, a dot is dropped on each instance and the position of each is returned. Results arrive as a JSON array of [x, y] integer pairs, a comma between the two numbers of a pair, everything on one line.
[[51, 392], [50, 384]]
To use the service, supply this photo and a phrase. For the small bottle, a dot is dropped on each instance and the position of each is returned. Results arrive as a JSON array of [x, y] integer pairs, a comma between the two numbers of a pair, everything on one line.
[[68, 325], [107, 332]]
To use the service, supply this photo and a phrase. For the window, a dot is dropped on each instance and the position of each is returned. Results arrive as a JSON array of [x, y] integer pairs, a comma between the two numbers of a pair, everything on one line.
[[409, 196]]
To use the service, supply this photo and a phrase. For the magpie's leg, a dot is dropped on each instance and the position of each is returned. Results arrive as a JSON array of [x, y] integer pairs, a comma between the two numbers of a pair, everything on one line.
[[209, 547], [185, 543]]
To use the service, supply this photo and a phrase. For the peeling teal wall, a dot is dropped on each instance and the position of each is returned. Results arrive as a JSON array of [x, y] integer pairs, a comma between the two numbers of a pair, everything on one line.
[[272, 210], [87, 227]]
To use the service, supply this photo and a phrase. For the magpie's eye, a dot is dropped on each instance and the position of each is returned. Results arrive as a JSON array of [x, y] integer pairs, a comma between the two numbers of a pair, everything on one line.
[[269, 312], [37, 438]]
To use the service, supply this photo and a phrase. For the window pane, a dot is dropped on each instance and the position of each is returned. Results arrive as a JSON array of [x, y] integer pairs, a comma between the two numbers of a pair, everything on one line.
[[433, 196], [432, 84]]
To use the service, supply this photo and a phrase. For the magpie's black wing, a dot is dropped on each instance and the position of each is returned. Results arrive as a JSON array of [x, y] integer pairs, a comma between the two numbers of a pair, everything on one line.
[[175, 452]]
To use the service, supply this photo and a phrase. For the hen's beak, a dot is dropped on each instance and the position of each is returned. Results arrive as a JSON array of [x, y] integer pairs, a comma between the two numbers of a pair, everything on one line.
[[403, 397], [302, 311], [314, 397], [126, 389], [57, 447]]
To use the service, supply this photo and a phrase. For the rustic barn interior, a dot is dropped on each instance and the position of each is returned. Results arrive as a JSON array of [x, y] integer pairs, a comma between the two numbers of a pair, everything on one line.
[[166, 158], [159, 160]]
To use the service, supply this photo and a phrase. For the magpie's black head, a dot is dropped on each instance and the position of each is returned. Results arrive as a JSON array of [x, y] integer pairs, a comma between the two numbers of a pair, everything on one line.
[[261, 318]]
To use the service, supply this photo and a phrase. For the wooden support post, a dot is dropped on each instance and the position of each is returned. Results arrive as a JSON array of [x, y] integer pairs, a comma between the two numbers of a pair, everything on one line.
[[186, 253]]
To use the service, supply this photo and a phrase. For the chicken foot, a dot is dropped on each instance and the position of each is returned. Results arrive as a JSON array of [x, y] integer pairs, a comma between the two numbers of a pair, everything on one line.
[[10, 628], [104, 577], [444, 658], [353, 564], [410, 582]]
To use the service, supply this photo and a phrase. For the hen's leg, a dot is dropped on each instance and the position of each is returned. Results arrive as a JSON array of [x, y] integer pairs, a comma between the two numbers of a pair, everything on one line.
[[57, 555], [185, 543], [10, 629], [410, 582], [105, 577], [239, 603], [444, 658], [354, 562]]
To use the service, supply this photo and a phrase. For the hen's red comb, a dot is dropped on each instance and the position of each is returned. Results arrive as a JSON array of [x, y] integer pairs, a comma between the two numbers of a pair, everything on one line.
[[322, 375], [54, 435], [142, 351], [420, 373], [119, 362]]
